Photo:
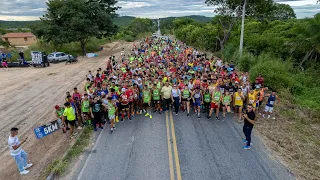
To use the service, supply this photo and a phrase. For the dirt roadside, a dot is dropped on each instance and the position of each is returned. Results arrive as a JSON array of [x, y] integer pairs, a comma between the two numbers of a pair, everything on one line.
[[29, 96]]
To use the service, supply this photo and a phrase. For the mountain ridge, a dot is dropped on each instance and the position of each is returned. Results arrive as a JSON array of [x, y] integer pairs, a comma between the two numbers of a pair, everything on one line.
[[120, 21]]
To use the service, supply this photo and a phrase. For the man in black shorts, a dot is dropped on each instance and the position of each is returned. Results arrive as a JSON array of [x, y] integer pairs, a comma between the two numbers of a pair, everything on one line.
[[69, 117], [96, 113]]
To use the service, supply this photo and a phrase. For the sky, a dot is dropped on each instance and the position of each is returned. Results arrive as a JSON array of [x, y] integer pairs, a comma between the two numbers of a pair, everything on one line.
[[24, 10]]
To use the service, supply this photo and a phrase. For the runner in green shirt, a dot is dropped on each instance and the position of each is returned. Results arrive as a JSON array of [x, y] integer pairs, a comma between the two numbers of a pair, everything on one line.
[[111, 108], [146, 96], [85, 109], [156, 98], [226, 101], [207, 100]]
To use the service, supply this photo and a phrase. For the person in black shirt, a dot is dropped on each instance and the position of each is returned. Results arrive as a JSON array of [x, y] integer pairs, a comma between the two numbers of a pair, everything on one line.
[[96, 113], [249, 120]]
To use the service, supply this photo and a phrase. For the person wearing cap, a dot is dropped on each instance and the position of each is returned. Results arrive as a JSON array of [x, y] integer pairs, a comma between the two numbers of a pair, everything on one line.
[[166, 95], [59, 114], [17, 152], [69, 117]]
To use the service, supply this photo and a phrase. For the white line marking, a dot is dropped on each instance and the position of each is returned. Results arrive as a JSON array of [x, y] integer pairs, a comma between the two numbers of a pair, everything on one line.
[[87, 160]]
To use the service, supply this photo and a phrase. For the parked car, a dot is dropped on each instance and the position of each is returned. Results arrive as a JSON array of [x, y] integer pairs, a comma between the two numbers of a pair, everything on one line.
[[58, 57]]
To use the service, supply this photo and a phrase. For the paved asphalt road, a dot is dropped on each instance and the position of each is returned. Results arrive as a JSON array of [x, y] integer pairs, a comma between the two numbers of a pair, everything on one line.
[[197, 150]]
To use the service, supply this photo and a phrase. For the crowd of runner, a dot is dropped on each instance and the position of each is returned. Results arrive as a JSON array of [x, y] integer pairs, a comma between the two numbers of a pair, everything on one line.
[[158, 73]]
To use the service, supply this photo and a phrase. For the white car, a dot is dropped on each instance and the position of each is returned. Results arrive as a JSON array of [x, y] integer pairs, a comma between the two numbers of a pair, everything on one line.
[[58, 57]]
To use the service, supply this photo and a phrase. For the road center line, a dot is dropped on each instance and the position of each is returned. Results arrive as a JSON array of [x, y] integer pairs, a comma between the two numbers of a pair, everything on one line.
[[169, 149], [175, 149]]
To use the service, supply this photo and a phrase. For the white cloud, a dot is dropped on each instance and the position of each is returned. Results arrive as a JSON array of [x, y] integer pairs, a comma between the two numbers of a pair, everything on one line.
[[19, 18], [33, 9], [132, 5]]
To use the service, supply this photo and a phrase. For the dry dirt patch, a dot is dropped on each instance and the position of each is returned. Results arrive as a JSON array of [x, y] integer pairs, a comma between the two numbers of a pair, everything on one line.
[[28, 96]]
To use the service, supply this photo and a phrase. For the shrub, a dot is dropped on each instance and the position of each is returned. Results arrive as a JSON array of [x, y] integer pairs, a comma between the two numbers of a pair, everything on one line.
[[275, 72]]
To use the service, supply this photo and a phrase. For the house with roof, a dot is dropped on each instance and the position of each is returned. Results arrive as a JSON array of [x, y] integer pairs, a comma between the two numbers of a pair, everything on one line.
[[20, 39]]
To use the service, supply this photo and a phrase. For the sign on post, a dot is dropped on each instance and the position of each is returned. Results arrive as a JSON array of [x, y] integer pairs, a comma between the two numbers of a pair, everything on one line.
[[47, 129]]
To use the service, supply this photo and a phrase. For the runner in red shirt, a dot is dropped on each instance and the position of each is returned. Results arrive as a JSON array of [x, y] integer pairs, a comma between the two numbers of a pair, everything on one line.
[[124, 100], [130, 95]]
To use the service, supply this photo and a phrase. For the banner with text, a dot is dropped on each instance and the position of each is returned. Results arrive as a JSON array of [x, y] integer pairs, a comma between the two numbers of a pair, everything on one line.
[[47, 129]]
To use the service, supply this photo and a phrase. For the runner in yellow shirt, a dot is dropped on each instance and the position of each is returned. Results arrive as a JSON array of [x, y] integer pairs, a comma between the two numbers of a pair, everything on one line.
[[238, 103]]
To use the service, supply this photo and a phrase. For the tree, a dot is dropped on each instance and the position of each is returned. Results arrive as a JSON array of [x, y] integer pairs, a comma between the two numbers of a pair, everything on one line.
[[230, 11], [141, 25], [282, 12], [77, 21]]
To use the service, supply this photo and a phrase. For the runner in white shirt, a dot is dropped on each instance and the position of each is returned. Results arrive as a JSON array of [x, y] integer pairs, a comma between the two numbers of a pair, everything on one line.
[[17, 152]]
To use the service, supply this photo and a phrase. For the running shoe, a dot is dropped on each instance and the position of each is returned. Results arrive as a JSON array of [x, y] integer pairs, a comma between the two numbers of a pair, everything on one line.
[[198, 117], [176, 114], [111, 131], [246, 147], [24, 172], [188, 114], [144, 110], [244, 141], [122, 120], [146, 115], [217, 118], [101, 127], [117, 119], [150, 116], [130, 119], [28, 166]]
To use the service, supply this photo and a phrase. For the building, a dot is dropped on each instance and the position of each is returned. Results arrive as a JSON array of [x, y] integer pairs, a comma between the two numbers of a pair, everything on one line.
[[20, 39]]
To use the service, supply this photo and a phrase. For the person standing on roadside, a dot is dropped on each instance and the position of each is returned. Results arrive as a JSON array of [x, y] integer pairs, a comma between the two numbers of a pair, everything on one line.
[[59, 114], [249, 120], [70, 115], [272, 98], [17, 152]]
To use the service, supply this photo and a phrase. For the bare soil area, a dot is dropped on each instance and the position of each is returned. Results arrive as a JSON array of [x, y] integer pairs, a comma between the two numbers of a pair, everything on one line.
[[28, 97]]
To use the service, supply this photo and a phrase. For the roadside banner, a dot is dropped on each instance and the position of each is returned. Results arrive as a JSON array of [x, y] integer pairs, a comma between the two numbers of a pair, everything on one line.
[[47, 129]]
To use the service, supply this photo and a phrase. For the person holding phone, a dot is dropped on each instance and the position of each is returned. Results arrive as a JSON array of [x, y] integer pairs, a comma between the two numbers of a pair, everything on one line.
[[249, 120], [17, 152]]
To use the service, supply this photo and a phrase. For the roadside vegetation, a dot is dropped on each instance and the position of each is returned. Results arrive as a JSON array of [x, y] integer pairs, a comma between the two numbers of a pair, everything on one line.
[[59, 166], [286, 51]]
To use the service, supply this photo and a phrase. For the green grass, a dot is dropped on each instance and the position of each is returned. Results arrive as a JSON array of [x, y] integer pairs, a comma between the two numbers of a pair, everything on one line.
[[59, 166]]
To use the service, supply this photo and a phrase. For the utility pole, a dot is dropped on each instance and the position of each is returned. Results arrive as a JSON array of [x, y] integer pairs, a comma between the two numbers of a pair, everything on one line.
[[242, 27]]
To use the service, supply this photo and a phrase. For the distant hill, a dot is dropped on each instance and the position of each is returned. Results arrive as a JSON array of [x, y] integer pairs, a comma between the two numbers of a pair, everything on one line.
[[16, 24], [120, 21], [123, 20], [202, 19]]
